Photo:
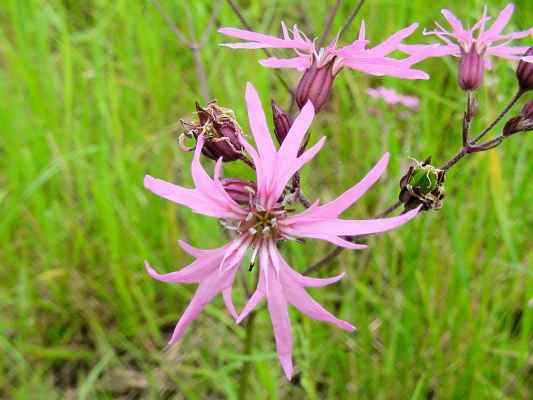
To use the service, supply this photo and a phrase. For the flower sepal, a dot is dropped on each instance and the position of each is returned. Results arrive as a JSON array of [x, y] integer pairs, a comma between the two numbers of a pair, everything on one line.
[[422, 184]]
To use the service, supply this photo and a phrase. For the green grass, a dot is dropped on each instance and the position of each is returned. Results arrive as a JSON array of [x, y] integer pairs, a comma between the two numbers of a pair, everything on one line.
[[91, 95]]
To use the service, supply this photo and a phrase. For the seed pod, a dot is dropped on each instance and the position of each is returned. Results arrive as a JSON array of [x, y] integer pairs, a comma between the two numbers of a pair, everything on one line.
[[422, 184]]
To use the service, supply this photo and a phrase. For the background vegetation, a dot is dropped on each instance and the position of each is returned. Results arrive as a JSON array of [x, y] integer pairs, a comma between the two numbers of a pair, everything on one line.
[[91, 93]]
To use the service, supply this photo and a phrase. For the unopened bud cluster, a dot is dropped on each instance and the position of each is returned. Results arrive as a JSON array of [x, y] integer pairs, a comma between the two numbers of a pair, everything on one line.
[[220, 130], [422, 184]]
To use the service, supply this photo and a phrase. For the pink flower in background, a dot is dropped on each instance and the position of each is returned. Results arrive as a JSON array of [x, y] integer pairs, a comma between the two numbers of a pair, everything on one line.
[[482, 41], [373, 61], [260, 223], [390, 96]]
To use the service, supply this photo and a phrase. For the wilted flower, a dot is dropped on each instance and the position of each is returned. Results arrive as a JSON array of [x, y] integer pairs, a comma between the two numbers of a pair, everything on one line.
[[422, 184], [260, 224], [522, 122], [390, 96], [524, 71], [220, 130], [322, 65], [476, 42]]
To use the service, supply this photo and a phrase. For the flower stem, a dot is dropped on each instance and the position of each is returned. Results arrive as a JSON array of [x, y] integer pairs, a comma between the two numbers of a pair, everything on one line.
[[248, 342], [507, 108], [465, 150], [350, 19]]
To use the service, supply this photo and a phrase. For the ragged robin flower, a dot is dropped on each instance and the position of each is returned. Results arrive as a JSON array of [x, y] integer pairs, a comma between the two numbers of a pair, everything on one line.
[[260, 224], [474, 46], [320, 66]]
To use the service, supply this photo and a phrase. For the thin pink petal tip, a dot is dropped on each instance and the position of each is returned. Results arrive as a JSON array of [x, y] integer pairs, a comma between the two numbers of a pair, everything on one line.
[[346, 326], [286, 364], [148, 180]]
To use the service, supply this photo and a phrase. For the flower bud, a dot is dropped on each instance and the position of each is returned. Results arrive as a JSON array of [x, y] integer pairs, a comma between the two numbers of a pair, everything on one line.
[[220, 129], [315, 84], [422, 184], [527, 110], [524, 72], [282, 122], [522, 122], [471, 70], [239, 190]]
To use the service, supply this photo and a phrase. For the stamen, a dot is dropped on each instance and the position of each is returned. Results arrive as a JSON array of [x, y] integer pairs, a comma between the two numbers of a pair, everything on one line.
[[252, 258]]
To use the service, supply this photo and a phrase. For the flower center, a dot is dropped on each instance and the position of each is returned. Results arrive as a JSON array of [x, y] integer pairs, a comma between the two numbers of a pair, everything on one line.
[[261, 223]]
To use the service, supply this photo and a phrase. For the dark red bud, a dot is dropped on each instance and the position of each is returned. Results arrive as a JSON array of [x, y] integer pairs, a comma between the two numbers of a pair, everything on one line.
[[524, 72], [239, 190], [522, 122], [471, 70], [282, 122], [527, 110], [315, 85]]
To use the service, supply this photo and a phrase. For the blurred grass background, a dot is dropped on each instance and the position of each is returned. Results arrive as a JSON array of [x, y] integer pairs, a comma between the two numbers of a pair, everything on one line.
[[91, 95]]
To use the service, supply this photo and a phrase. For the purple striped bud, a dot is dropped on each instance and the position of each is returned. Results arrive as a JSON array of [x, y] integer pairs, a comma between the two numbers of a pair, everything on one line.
[[282, 122], [315, 85], [524, 72], [471, 70], [220, 129], [240, 191]]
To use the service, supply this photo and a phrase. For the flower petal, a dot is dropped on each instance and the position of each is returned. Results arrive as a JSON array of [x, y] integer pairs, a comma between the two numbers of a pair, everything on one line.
[[298, 297], [300, 63], [279, 315], [343, 227], [499, 24], [391, 43]]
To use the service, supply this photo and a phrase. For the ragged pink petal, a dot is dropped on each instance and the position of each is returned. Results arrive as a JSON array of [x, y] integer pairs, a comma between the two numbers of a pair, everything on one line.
[[260, 40], [298, 297], [456, 25], [300, 63], [343, 227], [259, 127], [335, 207], [206, 291], [307, 281], [192, 273], [228, 301], [499, 24], [392, 43], [279, 316]]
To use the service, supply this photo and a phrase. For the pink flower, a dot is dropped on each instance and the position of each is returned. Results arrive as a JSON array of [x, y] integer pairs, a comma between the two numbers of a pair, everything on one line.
[[373, 61], [390, 96], [260, 224], [485, 42]]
